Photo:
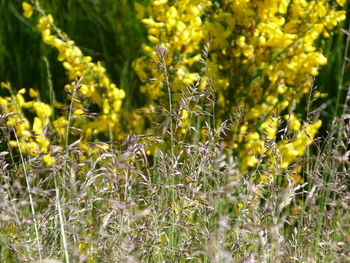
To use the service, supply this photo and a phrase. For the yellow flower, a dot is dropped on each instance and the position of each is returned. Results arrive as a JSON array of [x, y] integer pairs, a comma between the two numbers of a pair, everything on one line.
[[341, 2], [49, 160], [33, 93], [78, 112], [140, 10], [252, 136], [28, 10], [160, 2], [20, 100], [294, 123], [250, 161], [4, 85], [270, 127], [22, 91], [184, 118], [37, 125]]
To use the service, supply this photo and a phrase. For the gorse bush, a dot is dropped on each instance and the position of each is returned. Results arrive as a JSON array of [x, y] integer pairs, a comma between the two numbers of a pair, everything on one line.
[[261, 57], [212, 161], [94, 86]]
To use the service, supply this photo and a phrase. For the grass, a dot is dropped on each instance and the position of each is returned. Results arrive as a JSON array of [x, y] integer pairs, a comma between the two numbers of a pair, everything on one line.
[[189, 201]]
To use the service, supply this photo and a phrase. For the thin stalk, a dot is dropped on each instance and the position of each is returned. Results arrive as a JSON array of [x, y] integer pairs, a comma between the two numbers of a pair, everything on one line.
[[30, 196], [50, 84], [59, 207], [76, 85], [340, 85], [170, 105], [162, 54], [27, 179], [60, 215]]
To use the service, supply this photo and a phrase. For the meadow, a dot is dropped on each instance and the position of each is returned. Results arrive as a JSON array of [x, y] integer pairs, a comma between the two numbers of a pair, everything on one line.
[[174, 131]]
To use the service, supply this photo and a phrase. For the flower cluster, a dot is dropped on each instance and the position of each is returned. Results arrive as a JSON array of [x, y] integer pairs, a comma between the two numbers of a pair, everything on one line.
[[177, 28], [263, 57], [95, 84], [29, 138], [89, 85]]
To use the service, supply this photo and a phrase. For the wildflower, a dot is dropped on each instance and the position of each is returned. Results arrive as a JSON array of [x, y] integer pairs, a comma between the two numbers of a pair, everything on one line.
[[4, 85], [33, 93], [27, 10], [341, 2], [49, 160], [95, 85]]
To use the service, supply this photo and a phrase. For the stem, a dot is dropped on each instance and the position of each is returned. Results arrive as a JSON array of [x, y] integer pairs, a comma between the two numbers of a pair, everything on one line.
[[161, 54], [60, 215], [170, 105], [50, 84], [340, 85], [30, 196]]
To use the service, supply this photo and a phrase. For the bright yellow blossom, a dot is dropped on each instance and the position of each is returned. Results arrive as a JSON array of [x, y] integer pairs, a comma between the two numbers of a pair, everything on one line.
[[27, 10], [262, 57], [341, 2]]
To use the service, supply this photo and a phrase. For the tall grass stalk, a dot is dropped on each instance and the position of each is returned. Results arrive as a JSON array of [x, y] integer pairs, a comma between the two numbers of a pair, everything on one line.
[[30, 197]]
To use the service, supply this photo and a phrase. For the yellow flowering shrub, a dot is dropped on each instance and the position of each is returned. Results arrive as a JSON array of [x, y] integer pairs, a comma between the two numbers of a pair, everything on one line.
[[89, 85], [95, 85], [179, 29], [263, 57]]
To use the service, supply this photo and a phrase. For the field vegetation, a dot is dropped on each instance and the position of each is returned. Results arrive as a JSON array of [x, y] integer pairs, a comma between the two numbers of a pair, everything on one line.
[[174, 131]]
